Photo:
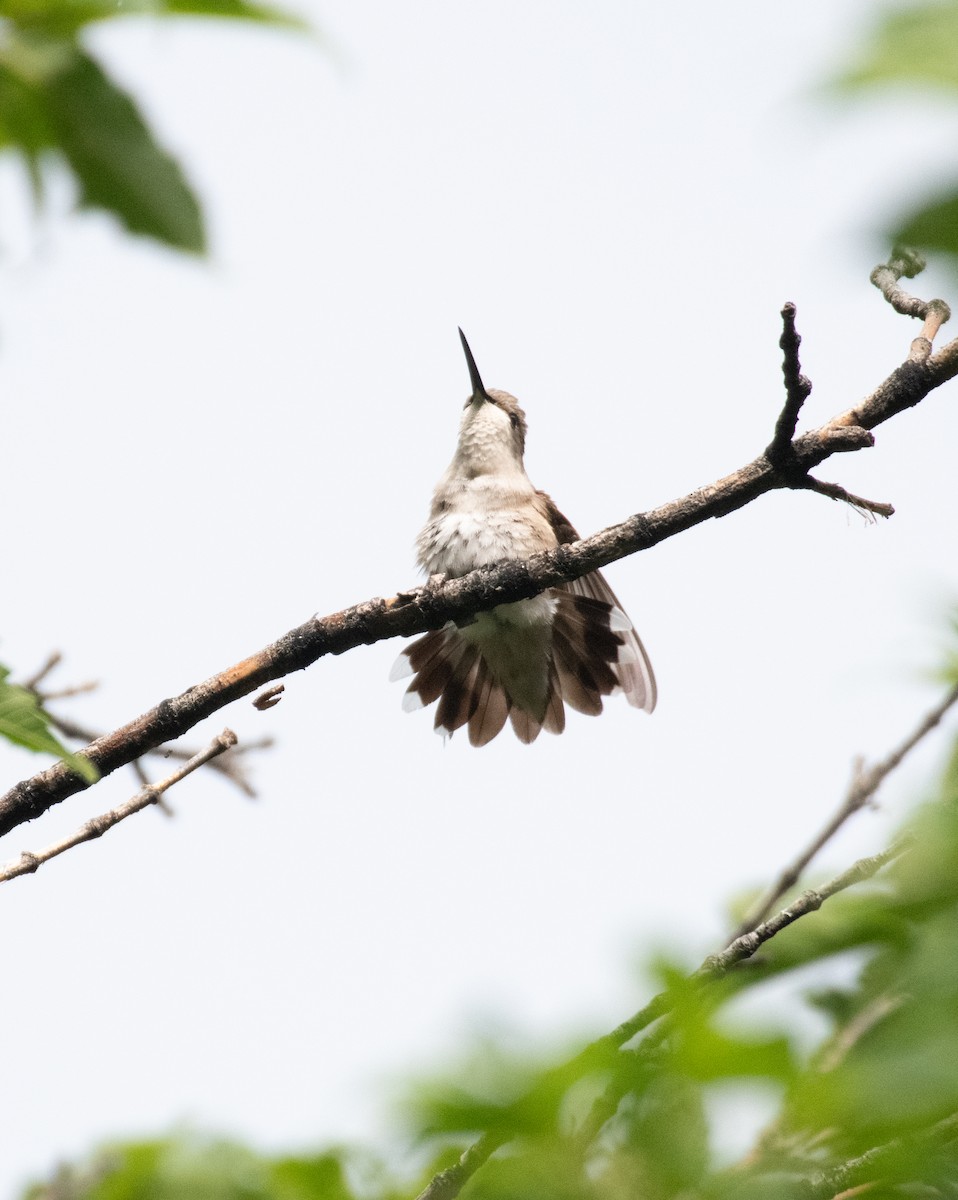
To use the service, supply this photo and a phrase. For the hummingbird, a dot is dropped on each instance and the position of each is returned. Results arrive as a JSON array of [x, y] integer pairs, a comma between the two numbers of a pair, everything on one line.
[[523, 661]]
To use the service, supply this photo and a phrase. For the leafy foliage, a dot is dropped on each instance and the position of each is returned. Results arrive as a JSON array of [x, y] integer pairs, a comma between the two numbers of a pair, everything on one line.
[[23, 722], [198, 1169], [58, 103], [874, 1101]]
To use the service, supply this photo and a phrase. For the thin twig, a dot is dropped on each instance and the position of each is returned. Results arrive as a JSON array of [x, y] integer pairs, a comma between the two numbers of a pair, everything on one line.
[[934, 313], [29, 861], [270, 697], [863, 787], [65, 693], [797, 390], [848, 1036], [909, 263], [448, 1183], [53, 660], [229, 765], [835, 491], [140, 772]]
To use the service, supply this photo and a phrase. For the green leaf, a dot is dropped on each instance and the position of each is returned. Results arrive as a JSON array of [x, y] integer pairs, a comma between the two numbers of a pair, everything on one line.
[[23, 722], [23, 119], [23, 124], [197, 1167], [321, 1176], [115, 158], [665, 1126], [909, 45], [64, 17], [902, 1076], [934, 227], [544, 1169], [232, 9], [706, 1054]]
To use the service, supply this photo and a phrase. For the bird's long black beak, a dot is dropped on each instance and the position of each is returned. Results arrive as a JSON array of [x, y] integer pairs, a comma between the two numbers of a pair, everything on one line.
[[474, 377]]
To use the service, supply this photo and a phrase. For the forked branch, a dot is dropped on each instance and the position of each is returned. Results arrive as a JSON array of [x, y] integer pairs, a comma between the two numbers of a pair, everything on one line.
[[430, 607]]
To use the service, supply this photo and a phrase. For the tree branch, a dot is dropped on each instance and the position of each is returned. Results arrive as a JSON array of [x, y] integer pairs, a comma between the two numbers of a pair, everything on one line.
[[863, 787], [430, 607], [29, 861]]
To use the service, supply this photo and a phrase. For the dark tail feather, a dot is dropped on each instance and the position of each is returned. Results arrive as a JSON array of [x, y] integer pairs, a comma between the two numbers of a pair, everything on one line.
[[424, 649], [554, 720], [525, 727], [440, 653], [458, 700], [491, 708], [580, 689], [587, 620]]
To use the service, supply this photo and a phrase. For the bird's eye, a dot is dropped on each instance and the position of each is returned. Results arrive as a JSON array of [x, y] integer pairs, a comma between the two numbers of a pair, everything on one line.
[[514, 418]]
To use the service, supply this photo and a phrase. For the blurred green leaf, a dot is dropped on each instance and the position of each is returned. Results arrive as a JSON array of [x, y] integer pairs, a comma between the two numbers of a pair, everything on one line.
[[56, 100], [63, 17], [23, 722], [322, 1176], [543, 1169], [234, 10], [493, 1089], [706, 1054], [666, 1132], [901, 1077], [934, 227], [115, 158], [917, 43], [192, 1167], [24, 125]]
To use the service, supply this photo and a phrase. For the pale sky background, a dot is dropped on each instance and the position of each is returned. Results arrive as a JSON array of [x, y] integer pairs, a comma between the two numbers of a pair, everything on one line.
[[613, 200]]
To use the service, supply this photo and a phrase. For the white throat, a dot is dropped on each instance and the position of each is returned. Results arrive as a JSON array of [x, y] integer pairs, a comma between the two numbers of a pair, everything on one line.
[[487, 445]]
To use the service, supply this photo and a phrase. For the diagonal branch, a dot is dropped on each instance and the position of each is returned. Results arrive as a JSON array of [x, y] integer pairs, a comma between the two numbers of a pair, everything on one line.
[[430, 607], [863, 787], [96, 827]]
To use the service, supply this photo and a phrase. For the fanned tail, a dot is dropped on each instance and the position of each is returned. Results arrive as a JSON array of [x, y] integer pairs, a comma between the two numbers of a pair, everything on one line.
[[582, 650]]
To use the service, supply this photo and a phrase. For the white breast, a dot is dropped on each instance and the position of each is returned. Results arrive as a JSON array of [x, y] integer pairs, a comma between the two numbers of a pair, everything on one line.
[[481, 521]]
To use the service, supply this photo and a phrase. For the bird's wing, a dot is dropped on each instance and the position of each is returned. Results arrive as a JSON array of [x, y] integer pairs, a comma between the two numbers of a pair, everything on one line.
[[633, 669]]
